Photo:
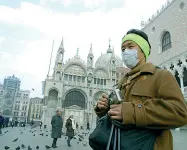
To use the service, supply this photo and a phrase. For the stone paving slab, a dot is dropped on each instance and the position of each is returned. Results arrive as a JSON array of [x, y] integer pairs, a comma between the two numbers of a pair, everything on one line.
[[27, 138]]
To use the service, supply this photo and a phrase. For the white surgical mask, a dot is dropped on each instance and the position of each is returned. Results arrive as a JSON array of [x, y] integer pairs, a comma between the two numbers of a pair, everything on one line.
[[130, 57]]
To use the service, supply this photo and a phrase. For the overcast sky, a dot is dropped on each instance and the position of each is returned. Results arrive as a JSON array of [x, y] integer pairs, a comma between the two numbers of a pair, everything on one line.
[[28, 27]]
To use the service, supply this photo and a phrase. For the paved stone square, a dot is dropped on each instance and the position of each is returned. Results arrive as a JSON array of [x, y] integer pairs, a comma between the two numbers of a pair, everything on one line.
[[28, 139]]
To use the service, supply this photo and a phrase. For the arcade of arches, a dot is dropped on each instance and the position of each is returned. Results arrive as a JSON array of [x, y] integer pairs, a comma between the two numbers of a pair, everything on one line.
[[184, 78], [178, 68]]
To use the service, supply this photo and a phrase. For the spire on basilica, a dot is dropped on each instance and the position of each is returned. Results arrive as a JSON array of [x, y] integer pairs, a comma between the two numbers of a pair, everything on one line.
[[90, 57], [91, 51], [109, 47], [59, 61], [62, 43], [77, 52]]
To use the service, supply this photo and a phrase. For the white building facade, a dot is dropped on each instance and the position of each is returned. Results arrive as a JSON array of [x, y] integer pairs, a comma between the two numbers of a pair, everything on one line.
[[21, 105], [167, 34], [35, 109], [75, 86]]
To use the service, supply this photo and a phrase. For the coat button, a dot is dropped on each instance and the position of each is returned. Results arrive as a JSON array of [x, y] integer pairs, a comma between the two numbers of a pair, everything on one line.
[[139, 105]]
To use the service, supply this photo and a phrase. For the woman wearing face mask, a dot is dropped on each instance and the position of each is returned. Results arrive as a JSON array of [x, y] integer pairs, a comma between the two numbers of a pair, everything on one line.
[[152, 100]]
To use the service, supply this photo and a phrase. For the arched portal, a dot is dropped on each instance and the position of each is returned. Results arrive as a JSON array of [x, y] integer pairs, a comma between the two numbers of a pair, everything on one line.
[[52, 98], [75, 97]]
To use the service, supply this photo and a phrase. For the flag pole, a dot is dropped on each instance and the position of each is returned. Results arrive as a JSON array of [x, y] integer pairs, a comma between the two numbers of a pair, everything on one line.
[[50, 59]]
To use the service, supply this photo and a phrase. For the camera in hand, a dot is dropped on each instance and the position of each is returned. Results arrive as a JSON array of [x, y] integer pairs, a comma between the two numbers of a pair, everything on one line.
[[115, 97]]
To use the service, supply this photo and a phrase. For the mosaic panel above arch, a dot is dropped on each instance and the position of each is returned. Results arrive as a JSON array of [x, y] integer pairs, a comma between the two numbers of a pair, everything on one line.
[[75, 69]]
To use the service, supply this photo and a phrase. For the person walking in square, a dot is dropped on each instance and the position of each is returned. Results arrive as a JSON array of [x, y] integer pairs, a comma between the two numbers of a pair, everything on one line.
[[88, 126], [57, 124], [70, 126], [41, 124]]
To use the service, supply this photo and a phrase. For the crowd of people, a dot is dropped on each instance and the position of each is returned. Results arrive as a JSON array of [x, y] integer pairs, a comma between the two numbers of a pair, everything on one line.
[[9, 122]]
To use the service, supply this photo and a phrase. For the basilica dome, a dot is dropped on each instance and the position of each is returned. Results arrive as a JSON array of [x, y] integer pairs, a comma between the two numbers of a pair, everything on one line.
[[108, 59]]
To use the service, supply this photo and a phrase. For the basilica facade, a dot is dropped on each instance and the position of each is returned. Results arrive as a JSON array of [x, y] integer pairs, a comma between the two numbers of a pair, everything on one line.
[[75, 85]]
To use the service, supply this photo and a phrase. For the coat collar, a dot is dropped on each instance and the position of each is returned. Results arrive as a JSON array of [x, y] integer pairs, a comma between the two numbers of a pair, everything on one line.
[[145, 68]]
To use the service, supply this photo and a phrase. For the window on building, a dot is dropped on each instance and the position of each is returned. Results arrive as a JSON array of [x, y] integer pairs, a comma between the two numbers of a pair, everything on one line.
[[66, 77], [79, 79], [21, 113], [94, 80], [101, 81], [83, 79], [70, 77], [36, 116], [104, 81], [113, 73], [74, 78], [32, 115], [90, 93], [98, 81], [166, 41]]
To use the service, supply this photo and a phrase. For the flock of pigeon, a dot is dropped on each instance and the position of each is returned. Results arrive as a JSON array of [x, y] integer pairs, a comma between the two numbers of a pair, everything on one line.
[[80, 137]]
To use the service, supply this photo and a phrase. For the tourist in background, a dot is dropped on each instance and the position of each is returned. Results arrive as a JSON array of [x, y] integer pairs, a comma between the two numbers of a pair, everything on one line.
[[88, 126], [57, 124], [70, 129], [41, 124], [1, 122]]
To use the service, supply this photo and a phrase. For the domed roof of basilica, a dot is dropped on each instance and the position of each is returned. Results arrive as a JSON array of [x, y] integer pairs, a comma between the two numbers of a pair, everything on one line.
[[108, 59]]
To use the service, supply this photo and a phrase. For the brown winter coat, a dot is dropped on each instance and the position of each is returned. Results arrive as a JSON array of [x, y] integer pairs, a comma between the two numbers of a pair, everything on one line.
[[153, 100]]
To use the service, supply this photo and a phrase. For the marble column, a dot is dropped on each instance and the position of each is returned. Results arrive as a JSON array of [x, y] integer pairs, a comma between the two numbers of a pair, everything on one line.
[[58, 103], [182, 88], [181, 82]]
